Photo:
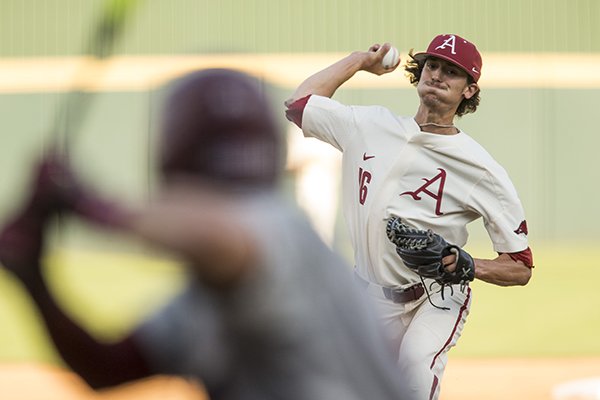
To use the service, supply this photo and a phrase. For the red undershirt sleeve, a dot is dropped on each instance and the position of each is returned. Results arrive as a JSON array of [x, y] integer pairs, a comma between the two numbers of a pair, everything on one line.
[[295, 111], [525, 256]]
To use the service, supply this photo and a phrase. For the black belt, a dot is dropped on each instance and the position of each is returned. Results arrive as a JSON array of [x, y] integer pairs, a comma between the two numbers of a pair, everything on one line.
[[397, 295]]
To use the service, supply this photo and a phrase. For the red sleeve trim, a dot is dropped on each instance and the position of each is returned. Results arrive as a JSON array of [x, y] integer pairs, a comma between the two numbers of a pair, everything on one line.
[[295, 110], [525, 256]]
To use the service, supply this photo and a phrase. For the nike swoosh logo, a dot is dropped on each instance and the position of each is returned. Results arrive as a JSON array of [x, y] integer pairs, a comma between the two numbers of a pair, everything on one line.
[[366, 157], [474, 70]]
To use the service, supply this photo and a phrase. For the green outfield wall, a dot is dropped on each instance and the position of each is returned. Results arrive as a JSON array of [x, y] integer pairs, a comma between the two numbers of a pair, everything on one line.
[[542, 137]]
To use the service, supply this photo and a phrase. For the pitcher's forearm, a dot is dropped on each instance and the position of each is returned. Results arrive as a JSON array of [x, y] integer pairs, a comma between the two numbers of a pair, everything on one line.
[[502, 271], [327, 81]]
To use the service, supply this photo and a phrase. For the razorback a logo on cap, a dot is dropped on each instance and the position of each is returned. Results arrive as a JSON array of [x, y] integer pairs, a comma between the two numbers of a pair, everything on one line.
[[450, 42], [522, 228]]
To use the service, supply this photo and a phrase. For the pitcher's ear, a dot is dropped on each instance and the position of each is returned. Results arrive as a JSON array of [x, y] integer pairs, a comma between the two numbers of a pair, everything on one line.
[[471, 90]]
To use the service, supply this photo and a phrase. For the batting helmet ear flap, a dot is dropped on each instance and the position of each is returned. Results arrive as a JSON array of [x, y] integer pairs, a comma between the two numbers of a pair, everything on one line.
[[218, 124]]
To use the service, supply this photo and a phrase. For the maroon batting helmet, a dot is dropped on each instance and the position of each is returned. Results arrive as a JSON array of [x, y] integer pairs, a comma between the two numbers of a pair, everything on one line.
[[218, 124]]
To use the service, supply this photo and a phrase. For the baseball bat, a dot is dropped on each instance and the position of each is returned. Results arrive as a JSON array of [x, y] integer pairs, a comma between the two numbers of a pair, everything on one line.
[[75, 104]]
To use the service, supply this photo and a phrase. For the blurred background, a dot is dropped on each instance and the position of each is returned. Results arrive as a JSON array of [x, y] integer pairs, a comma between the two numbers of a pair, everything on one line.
[[540, 89]]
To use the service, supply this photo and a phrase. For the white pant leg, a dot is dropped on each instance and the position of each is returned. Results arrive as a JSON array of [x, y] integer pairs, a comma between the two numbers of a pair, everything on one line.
[[432, 332], [394, 320], [423, 336]]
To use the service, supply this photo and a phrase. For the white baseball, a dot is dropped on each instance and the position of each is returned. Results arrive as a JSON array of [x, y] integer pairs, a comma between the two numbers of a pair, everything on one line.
[[391, 58]]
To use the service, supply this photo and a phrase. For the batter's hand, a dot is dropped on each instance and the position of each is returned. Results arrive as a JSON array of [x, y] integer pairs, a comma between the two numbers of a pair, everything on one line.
[[373, 58], [57, 188], [22, 238]]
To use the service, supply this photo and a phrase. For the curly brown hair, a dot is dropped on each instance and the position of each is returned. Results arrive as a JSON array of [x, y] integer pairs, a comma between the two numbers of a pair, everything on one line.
[[413, 70]]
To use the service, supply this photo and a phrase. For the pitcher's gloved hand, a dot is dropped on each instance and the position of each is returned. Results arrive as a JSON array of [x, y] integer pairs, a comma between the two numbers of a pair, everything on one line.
[[423, 251]]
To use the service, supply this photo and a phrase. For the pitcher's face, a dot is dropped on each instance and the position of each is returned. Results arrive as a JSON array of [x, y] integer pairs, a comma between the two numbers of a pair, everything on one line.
[[443, 83]]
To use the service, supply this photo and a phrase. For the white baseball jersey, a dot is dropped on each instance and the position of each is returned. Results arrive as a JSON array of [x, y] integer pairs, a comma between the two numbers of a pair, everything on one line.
[[431, 181]]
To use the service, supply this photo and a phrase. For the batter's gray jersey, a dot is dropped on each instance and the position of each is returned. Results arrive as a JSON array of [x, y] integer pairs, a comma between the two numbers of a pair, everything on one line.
[[298, 329]]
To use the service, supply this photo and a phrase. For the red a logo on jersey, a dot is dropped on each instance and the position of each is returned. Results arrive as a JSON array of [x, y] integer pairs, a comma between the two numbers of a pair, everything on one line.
[[441, 177], [522, 228]]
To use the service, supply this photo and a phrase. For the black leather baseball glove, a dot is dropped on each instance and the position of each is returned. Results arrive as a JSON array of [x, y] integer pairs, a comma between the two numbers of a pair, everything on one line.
[[423, 250]]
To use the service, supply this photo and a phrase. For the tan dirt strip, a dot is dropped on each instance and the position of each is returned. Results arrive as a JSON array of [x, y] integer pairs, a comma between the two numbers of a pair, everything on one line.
[[465, 379], [516, 379]]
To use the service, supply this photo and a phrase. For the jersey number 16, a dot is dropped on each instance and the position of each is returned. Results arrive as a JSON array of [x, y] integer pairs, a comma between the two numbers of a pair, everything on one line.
[[364, 178]]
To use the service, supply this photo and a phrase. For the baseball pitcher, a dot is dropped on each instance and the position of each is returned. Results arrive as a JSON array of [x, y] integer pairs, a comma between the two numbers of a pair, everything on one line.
[[411, 184]]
